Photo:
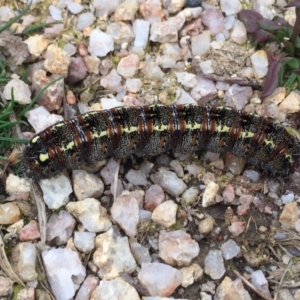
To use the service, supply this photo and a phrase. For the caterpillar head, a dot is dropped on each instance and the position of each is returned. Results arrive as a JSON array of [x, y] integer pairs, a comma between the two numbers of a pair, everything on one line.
[[38, 164]]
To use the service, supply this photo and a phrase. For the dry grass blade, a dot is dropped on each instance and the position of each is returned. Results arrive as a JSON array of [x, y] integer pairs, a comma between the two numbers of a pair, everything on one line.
[[5, 265]]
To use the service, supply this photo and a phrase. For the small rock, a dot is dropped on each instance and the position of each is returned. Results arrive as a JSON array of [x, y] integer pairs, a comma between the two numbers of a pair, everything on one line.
[[37, 44], [151, 10], [101, 43], [171, 53], [84, 20], [169, 182], [56, 191], [227, 288], [91, 214], [173, 6], [289, 215], [237, 96], [154, 197], [291, 104], [165, 213], [204, 90], [116, 288], [133, 85], [139, 252], [285, 294], [23, 259], [188, 80], [84, 241], [260, 63], [92, 63], [276, 97], [126, 10], [190, 196], [112, 255], [259, 280], [104, 8], [86, 289], [9, 213], [60, 228], [64, 269], [128, 66], [86, 185], [141, 30], [57, 60], [253, 175], [125, 211], [21, 90], [230, 7], [108, 172], [136, 177], [26, 294], [213, 18], [55, 13], [39, 118], [210, 193], [239, 33], [167, 31], [112, 81], [152, 71], [159, 279], [177, 167], [18, 188], [206, 67], [191, 274], [207, 225], [194, 169], [244, 207], [236, 228], [77, 70], [30, 232], [177, 248], [6, 285], [228, 194], [201, 43], [230, 249], [214, 264]]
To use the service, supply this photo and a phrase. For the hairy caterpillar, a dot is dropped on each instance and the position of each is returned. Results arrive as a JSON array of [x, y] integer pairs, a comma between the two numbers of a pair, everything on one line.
[[149, 130]]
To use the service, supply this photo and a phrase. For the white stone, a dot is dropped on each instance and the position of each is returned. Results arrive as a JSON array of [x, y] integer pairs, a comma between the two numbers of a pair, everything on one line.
[[203, 88], [190, 196], [188, 80], [133, 85], [40, 118], [210, 193], [108, 103], [230, 249], [136, 177], [116, 288], [60, 228], [259, 280], [191, 274], [128, 66], [126, 10], [91, 214], [6, 13], [141, 30], [23, 259], [139, 252], [101, 43], [84, 241], [291, 104], [113, 255], [201, 43], [121, 32], [20, 90], [85, 20], [214, 264], [56, 191], [152, 71], [125, 211], [227, 288], [74, 8], [159, 279], [37, 44], [260, 63], [65, 272], [185, 98], [239, 32], [17, 186], [230, 7], [108, 172], [55, 13], [104, 7], [206, 67], [165, 213], [112, 81], [177, 248], [169, 182], [86, 185], [171, 53]]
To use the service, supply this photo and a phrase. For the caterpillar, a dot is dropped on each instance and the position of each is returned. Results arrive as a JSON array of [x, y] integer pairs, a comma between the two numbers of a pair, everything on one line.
[[150, 130]]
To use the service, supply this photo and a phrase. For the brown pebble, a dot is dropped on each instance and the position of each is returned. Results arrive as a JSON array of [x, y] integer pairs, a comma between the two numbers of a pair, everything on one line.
[[71, 99], [82, 49]]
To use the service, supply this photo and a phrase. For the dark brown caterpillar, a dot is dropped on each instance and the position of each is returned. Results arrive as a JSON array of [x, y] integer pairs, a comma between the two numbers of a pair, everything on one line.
[[150, 130]]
